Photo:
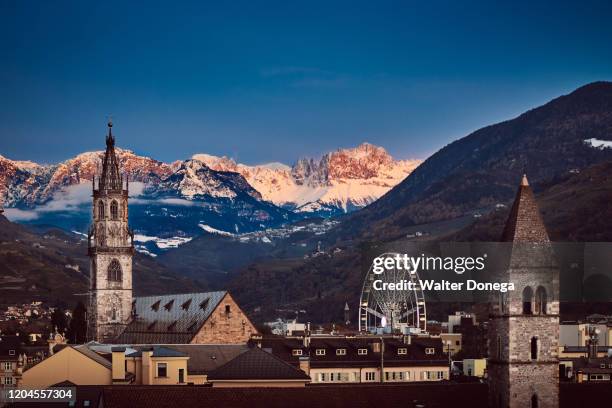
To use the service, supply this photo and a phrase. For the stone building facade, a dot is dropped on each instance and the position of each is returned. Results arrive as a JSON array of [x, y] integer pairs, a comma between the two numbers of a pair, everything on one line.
[[227, 324], [110, 249], [524, 324], [187, 318]]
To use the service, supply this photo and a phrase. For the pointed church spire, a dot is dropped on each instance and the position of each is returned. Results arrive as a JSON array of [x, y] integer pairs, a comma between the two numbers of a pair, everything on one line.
[[111, 178], [525, 223]]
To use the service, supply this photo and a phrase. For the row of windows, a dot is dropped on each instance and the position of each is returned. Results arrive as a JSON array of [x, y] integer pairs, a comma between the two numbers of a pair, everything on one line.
[[7, 381], [360, 351], [114, 210], [599, 377], [432, 375], [7, 365], [390, 376], [338, 377]]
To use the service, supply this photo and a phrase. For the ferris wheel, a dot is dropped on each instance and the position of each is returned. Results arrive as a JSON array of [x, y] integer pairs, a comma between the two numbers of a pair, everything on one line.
[[381, 308]]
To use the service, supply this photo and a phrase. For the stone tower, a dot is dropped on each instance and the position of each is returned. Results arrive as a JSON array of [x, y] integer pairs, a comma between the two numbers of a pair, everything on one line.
[[523, 366], [111, 248]]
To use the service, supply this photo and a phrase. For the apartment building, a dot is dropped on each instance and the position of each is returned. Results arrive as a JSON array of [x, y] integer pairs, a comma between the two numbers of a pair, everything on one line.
[[366, 359]]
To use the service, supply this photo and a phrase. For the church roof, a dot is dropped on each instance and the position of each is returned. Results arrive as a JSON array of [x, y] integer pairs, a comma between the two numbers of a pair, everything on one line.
[[525, 223], [111, 177], [169, 319]]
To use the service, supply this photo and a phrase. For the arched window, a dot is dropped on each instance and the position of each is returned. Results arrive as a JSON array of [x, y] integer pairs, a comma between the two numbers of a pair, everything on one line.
[[100, 210], [540, 300], [114, 314], [114, 271], [114, 210], [527, 299], [534, 348], [534, 401]]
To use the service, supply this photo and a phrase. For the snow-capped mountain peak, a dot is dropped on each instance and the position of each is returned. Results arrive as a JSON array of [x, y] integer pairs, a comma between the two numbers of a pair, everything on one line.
[[342, 180], [345, 179]]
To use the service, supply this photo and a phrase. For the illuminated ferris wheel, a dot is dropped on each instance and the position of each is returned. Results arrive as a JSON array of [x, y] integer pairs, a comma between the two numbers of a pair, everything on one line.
[[387, 310]]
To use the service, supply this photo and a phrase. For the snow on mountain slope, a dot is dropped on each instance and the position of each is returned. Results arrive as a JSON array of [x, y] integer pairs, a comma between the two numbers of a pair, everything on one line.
[[340, 181], [345, 179], [598, 143], [28, 184], [194, 178]]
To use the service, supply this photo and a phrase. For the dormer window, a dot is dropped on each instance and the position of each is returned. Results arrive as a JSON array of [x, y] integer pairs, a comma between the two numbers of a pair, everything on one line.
[[296, 352], [168, 306], [430, 350], [320, 352], [362, 351], [155, 306], [204, 304], [341, 352], [185, 305], [403, 351]]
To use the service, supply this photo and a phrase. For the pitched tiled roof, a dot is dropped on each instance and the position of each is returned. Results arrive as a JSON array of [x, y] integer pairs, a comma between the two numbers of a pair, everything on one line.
[[204, 358], [169, 319], [525, 223], [84, 349], [257, 364], [414, 355], [355, 396]]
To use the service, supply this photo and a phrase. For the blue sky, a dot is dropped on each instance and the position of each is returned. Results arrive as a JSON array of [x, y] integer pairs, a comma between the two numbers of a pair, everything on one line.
[[275, 81]]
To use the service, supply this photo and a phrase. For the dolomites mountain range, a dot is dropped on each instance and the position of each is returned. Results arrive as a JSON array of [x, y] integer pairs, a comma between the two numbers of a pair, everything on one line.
[[341, 181]]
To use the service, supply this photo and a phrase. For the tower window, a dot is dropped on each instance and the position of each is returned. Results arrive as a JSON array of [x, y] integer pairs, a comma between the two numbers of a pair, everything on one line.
[[114, 271], [534, 348], [534, 401], [101, 210], [114, 208], [527, 298], [540, 300]]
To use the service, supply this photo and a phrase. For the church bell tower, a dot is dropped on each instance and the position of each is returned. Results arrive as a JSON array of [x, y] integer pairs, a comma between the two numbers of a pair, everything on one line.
[[110, 249], [523, 365]]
